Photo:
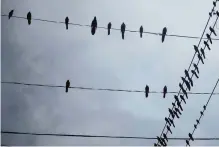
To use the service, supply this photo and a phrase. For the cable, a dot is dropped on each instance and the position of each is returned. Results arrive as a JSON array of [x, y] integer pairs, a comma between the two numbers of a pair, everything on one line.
[[81, 25], [98, 136], [205, 108], [100, 89]]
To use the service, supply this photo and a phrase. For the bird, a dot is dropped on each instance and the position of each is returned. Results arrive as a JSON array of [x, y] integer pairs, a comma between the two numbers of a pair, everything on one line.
[[171, 121], [173, 104], [146, 91], [193, 71], [164, 32], [165, 137], [212, 30], [214, 3], [164, 91], [141, 31], [166, 119], [195, 126], [205, 42], [66, 22], [186, 82], [204, 107], [177, 110], [171, 113], [210, 14], [202, 113], [179, 105], [200, 58], [155, 144], [190, 136], [168, 128], [29, 18], [187, 143], [191, 82], [203, 52], [209, 38], [160, 141], [67, 85], [93, 25], [109, 27], [197, 121], [196, 49], [163, 141], [217, 13], [10, 14], [183, 99], [181, 87], [123, 30], [176, 114], [176, 98], [187, 73], [196, 67]]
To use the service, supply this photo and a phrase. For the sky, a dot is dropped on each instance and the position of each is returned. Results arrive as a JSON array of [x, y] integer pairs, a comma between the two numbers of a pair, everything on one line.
[[47, 53]]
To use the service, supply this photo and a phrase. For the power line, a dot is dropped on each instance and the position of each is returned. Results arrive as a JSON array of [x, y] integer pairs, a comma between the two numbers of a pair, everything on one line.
[[205, 107], [100, 89], [98, 136], [116, 29]]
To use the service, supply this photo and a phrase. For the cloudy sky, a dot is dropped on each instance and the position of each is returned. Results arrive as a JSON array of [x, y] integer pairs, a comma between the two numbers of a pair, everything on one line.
[[45, 53]]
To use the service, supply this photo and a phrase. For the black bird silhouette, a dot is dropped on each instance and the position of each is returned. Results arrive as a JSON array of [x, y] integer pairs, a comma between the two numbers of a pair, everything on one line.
[[177, 110], [203, 52], [164, 34], [166, 119], [195, 126], [193, 71], [176, 98], [176, 114], [191, 82], [187, 74], [168, 128], [160, 141], [173, 104], [214, 3], [202, 113], [205, 42], [29, 18], [185, 93], [146, 91], [164, 142], [187, 143], [67, 85], [171, 121], [200, 58], [66, 22], [179, 105], [10, 14], [141, 31], [155, 144], [197, 121], [165, 137], [196, 67], [204, 107], [183, 99], [196, 49], [209, 38], [186, 82], [210, 14], [109, 27], [181, 87], [123, 30], [171, 113], [190, 136], [93, 25], [164, 91], [217, 13], [212, 30]]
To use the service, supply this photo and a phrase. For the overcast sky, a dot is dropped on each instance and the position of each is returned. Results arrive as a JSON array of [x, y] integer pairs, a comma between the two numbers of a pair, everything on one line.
[[46, 53]]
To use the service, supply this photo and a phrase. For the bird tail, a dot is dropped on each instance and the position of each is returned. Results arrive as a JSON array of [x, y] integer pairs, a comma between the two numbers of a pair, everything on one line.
[[29, 21], [123, 36], [108, 31], [66, 27], [163, 38], [66, 89], [141, 35], [164, 95], [146, 94], [93, 30]]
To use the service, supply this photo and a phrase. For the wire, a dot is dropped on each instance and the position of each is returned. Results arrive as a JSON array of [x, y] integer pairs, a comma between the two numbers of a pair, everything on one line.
[[206, 106], [81, 25], [98, 136], [99, 89]]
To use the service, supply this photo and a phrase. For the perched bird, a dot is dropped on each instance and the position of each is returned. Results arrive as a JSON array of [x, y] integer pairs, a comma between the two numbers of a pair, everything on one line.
[[197, 121], [190, 136], [146, 91], [191, 82], [164, 142], [187, 143], [182, 98], [200, 58], [210, 14], [168, 128], [171, 113], [171, 121], [177, 110], [173, 104], [176, 98], [186, 82], [185, 93], [123, 30], [176, 114], [202, 113], [166, 119], [165, 137], [205, 42], [164, 34], [164, 91], [196, 49], [109, 27], [67, 85], [29, 18], [179, 105], [212, 30], [187, 74], [141, 31], [193, 71], [214, 3], [195, 126], [93, 25], [203, 52], [196, 67], [217, 13], [181, 87], [204, 107], [10, 14], [209, 38], [66, 22], [155, 144], [160, 141]]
